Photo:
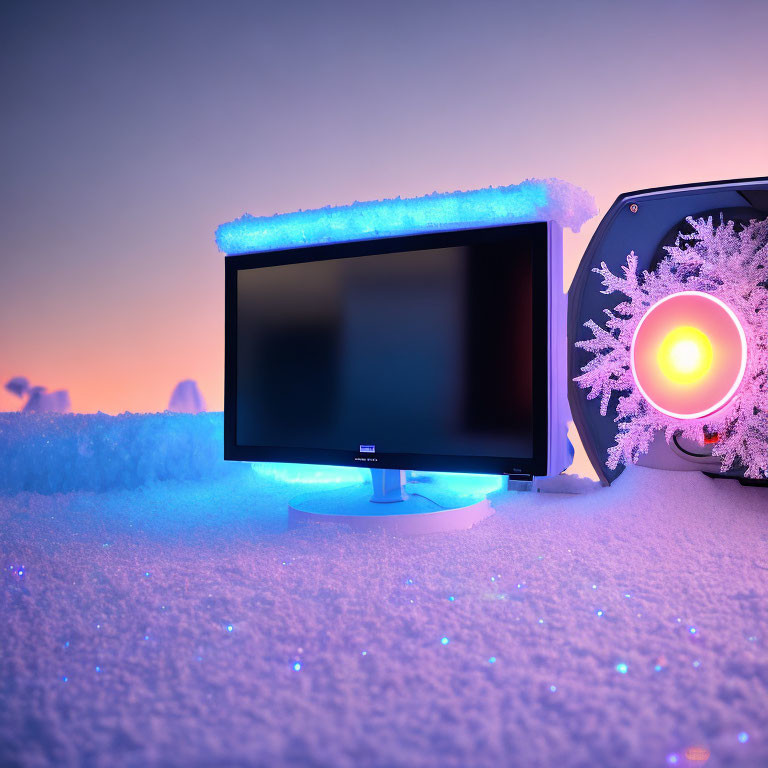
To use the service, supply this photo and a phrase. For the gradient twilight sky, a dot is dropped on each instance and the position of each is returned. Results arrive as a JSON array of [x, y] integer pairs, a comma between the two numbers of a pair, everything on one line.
[[129, 131]]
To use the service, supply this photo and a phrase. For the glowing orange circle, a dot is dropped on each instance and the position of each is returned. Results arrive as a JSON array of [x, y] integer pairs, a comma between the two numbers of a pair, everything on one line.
[[688, 355]]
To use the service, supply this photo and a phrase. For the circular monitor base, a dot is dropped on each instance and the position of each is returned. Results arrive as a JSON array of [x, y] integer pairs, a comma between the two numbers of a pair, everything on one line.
[[417, 514]]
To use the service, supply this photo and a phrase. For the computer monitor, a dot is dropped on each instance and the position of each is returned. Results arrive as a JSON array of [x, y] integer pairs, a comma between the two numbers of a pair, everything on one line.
[[442, 351]]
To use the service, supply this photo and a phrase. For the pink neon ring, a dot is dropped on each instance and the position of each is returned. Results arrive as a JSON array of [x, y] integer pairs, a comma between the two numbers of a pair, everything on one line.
[[721, 326]]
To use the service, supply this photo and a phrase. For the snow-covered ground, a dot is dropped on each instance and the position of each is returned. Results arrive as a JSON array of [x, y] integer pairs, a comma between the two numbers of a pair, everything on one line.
[[182, 623]]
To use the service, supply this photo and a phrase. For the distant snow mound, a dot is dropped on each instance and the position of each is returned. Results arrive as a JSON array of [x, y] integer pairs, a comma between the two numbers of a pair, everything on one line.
[[41, 401], [59, 453], [18, 385], [186, 398]]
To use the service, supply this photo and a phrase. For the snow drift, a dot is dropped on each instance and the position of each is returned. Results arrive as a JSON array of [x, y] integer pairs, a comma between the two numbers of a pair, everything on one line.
[[52, 453]]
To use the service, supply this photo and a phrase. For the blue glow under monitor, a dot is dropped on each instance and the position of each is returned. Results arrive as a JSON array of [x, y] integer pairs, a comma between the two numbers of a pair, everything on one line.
[[438, 351]]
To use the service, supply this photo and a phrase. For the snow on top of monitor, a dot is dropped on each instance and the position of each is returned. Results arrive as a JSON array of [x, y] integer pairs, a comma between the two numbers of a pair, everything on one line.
[[531, 200]]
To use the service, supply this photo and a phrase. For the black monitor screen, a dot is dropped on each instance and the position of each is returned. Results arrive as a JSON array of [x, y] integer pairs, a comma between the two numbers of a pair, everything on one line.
[[369, 357]]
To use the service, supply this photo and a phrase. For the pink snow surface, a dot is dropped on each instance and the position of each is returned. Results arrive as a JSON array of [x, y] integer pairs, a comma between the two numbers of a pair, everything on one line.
[[116, 647]]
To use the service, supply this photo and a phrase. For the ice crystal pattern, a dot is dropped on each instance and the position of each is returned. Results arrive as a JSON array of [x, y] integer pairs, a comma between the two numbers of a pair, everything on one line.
[[722, 259]]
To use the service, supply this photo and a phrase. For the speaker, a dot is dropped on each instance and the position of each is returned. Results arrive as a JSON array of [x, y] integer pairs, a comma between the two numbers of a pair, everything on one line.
[[668, 332]]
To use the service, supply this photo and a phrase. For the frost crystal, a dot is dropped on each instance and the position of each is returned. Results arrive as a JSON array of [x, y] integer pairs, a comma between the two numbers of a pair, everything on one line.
[[717, 259]]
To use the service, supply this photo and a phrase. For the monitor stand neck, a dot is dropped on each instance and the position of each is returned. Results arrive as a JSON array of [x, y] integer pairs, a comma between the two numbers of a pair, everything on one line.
[[388, 485]]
